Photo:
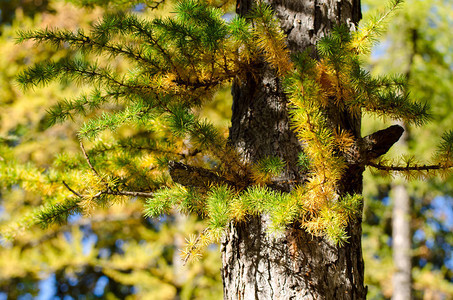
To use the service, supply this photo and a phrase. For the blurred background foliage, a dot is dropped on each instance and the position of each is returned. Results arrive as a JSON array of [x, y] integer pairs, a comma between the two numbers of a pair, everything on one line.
[[417, 44], [116, 253]]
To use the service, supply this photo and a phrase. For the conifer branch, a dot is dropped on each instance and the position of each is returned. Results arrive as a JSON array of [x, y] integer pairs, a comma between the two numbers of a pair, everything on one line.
[[83, 41], [58, 213], [160, 48], [376, 27], [108, 190], [202, 83]]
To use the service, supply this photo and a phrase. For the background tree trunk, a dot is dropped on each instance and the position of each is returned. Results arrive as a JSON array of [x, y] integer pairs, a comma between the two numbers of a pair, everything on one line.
[[292, 265], [401, 215], [402, 242]]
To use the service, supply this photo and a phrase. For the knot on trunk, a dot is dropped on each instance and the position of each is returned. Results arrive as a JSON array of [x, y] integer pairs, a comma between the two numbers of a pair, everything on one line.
[[380, 142]]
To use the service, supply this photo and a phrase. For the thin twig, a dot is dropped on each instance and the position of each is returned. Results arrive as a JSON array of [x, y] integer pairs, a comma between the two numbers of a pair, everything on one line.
[[129, 193], [89, 162], [195, 246], [72, 191], [110, 192], [407, 168]]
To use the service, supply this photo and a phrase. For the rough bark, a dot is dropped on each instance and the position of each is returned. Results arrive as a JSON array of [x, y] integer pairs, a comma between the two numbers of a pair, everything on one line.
[[293, 265]]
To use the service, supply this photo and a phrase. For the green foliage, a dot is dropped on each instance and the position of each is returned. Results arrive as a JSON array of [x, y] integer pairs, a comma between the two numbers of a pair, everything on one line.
[[304, 161], [137, 113], [165, 199], [217, 207], [258, 200], [58, 213], [374, 26], [445, 149], [267, 168], [270, 38]]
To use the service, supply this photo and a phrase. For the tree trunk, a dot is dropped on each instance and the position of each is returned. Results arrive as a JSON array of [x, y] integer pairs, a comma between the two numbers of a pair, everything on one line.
[[294, 264], [401, 213], [402, 242]]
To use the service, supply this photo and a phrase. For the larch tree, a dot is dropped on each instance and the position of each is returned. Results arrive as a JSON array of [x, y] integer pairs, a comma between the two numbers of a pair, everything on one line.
[[281, 190]]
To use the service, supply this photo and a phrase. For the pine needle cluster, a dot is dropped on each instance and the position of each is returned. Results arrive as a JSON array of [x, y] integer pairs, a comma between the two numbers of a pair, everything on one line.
[[177, 64]]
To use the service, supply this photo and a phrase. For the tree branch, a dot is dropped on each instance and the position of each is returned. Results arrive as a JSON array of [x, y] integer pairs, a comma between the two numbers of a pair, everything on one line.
[[111, 192], [197, 177], [203, 179], [129, 193], [407, 168]]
